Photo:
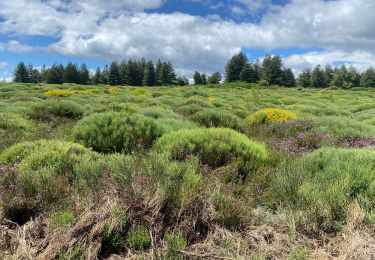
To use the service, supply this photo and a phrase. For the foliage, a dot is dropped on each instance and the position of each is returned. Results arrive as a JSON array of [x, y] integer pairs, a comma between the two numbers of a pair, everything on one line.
[[265, 116], [139, 238], [111, 132], [63, 218], [176, 241], [214, 146], [324, 183], [213, 118]]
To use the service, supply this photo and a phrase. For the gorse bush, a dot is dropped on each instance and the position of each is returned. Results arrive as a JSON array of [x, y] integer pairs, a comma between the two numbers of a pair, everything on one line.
[[213, 118], [116, 132], [214, 146], [324, 183], [269, 115]]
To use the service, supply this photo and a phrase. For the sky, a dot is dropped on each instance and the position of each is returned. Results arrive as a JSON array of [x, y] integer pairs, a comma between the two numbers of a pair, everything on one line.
[[193, 34]]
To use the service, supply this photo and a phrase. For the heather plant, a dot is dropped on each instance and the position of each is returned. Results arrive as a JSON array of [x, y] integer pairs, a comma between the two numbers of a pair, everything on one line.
[[157, 112], [116, 132], [213, 146], [323, 184]]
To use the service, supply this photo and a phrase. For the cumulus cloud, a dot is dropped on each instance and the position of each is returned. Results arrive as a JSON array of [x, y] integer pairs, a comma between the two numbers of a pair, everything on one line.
[[15, 46], [121, 29]]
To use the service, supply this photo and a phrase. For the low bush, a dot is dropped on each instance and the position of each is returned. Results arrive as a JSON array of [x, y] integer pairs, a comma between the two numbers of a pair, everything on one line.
[[63, 218], [116, 132], [43, 173], [213, 118], [68, 109], [139, 238], [173, 124], [214, 146], [157, 112], [176, 241], [269, 115], [324, 183], [188, 110]]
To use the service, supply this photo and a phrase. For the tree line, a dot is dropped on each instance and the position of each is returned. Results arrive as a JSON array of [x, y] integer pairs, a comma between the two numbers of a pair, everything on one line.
[[270, 71], [131, 72]]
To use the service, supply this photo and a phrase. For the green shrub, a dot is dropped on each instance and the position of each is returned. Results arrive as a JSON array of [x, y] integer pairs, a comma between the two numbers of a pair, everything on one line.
[[188, 110], [14, 122], [121, 168], [176, 241], [67, 108], [111, 132], [214, 146], [323, 184], [44, 172], [63, 218], [178, 183], [213, 118], [157, 112], [172, 124], [139, 238]]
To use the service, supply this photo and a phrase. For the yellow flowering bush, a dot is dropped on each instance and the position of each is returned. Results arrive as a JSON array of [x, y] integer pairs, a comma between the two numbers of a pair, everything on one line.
[[60, 93], [141, 92], [269, 115], [113, 90], [211, 99], [68, 92]]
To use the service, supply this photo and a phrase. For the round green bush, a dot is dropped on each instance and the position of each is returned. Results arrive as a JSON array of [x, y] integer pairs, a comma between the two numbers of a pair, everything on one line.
[[42, 174], [68, 109], [214, 146], [158, 112], [173, 124], [324, 183], [116, 132], [213, 118]]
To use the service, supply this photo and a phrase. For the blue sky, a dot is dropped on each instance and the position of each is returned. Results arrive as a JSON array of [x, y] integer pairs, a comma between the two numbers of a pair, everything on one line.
[[193, 34]]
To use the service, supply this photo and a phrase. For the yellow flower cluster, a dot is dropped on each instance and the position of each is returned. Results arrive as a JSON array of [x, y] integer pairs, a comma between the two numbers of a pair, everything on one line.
[[141, 92], [113, 90], [68, 92], [270, 115], [211, 99]]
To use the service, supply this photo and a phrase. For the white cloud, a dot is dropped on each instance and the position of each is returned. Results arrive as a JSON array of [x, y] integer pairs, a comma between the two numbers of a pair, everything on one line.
[[3, 64], [15, 46], [120, 29]]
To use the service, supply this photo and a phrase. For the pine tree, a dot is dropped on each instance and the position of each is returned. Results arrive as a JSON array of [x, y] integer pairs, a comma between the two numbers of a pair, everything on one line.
[[215, 78], [97, 78], [55, 74], [353, 77], [149, 76], [289, 80], [328, 76], [340, 77], [234, 67], [317, 77], [248, 74], [197, 77], [105, 75], [20, 73], [368, 78], [124, 78], [83, 75], [304, 79], [71, 73], [114, 74], [182, 81], [158, 73], [272, 70]]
